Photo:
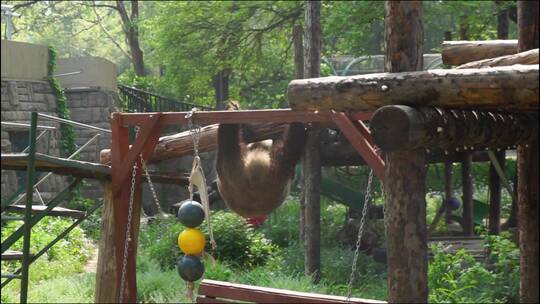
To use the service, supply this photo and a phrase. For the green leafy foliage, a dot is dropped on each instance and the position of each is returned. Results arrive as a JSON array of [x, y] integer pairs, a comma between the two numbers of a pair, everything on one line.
[[67, 141], [459, 278], [238, 243]]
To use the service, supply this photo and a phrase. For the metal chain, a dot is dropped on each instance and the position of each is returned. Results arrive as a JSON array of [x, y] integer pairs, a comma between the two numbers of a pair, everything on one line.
[[150, 184], [128, 235], [367, 199]]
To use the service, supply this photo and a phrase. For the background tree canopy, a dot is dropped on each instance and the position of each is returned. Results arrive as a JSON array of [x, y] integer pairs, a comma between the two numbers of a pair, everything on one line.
[[186, 44]]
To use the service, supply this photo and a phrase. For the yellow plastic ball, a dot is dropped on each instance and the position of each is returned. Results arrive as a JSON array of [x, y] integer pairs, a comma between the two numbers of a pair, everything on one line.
[[191, 241]]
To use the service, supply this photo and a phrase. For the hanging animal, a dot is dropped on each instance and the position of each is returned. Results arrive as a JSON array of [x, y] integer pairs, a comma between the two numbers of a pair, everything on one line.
[[254, 179]]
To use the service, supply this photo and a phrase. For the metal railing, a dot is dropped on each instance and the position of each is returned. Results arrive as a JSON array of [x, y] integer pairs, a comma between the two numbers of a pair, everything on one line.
[[19, 195], [137, 100]]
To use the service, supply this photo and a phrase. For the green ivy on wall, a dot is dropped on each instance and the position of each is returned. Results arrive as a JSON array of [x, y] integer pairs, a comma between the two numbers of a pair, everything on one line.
[[67, 141]]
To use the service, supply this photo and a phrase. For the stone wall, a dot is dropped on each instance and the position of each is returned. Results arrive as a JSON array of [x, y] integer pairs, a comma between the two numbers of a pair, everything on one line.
[[92, 106], [19, 99]]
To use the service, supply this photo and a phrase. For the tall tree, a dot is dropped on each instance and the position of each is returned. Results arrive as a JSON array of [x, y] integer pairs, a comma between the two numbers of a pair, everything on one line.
[[528, 174], [405, 170], [312, 158], [131, 30]]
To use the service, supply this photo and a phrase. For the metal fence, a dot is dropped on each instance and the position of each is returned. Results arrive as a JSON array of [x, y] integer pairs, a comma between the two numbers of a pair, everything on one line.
[[137, 100]]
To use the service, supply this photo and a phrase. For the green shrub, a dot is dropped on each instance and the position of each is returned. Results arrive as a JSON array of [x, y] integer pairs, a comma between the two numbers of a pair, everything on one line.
[[459, 278], [283, 225], [67, 256], [237, 243]]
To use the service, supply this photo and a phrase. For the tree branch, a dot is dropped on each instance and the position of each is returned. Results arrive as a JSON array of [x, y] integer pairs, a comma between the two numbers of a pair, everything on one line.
[[109, 34]]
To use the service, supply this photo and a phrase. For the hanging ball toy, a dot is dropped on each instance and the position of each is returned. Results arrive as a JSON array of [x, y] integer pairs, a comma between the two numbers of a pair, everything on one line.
[[190, 268], [453, 203], [191, 214], [191, 241]]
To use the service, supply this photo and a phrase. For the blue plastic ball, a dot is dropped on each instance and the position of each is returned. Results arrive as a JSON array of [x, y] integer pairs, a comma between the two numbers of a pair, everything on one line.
[[190, 268], [453, 203], [191, 214]]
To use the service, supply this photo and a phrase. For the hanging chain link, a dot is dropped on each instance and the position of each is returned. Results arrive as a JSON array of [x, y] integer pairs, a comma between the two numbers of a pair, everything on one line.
[[151, 185], [367, 199], [128, 235]]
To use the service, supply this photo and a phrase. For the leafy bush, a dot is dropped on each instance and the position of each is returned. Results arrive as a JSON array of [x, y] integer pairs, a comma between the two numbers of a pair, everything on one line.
[[459, 278], [283, 225], [237, 242], [71, 252]]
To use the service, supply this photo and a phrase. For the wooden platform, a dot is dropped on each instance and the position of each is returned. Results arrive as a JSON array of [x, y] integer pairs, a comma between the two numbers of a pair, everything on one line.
[[11, 255], [56, 211], [78, 168], [474, 245], [211, 291]]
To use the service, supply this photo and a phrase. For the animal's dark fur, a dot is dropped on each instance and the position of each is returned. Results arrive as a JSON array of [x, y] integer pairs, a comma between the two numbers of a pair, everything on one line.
[[254, 179]]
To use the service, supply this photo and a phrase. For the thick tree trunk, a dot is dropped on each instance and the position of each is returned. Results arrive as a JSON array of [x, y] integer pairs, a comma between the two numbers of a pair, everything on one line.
[[312, 162], [467, 181], [405, 170], [298, 42], [131, 30], [460, 52], [528, 174], [181, 144], [495, 196], [106, 270], [502, 20], [528, 57], [399, 127], [221, 88], [510, 88]]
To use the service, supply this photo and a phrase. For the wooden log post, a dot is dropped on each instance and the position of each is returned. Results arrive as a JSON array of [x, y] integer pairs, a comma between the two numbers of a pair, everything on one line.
[[448, 188], [405, 169], [494, 225], [512, 88], [298, 41], [460, 52], [527, 57], [312, 161], [467, 184], [108, 269], [528, 174], [398, 127]]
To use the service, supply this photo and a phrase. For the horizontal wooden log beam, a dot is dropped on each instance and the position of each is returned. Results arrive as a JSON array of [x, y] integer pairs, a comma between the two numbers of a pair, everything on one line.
[[181, 144], [403, 128], [527, 57], [513, 88], [460, 52]]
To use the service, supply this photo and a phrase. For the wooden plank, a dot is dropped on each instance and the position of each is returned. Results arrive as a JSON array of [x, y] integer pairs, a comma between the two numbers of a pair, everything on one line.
[[12, 255], [241, 292], [360, 143], [19, 161], [240, 116], [203, 299], [79, 168], [460, 52], [512, 88], [56, 211]]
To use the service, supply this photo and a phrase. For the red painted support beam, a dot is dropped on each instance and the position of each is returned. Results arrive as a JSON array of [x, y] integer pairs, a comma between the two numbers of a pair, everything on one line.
[[148, 130], [241, 116], [360, 143]]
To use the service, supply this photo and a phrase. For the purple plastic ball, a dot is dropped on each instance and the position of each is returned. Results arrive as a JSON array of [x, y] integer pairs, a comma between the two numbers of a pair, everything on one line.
[[453, 203]]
